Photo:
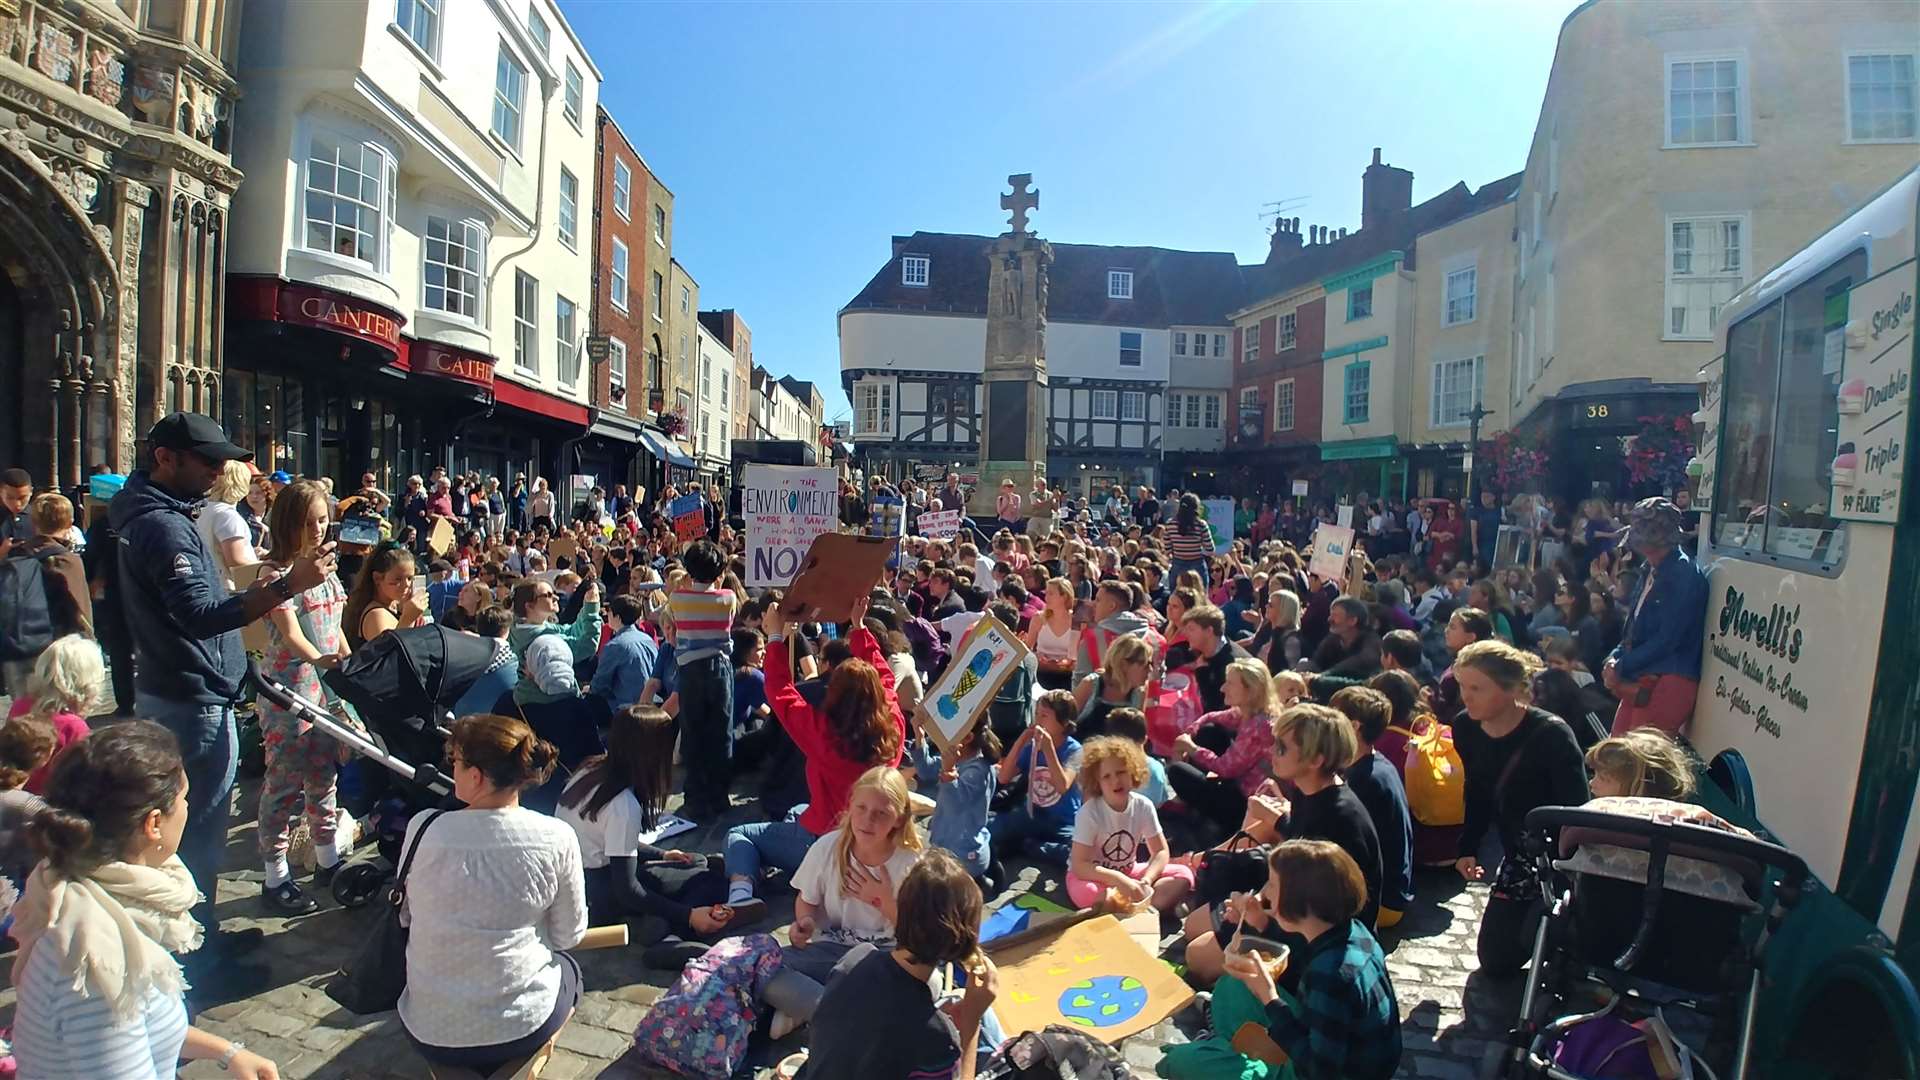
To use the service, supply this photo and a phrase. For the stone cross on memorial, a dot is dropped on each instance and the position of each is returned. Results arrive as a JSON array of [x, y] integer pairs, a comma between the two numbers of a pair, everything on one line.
[[1020, 202], [1013, 445]]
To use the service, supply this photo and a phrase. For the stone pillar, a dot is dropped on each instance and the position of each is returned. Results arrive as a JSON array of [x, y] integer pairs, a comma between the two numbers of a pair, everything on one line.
[[1014, 424], [130, 210]]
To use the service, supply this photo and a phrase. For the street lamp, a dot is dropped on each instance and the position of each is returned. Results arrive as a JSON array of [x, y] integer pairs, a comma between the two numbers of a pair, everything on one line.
[[1474, 416]]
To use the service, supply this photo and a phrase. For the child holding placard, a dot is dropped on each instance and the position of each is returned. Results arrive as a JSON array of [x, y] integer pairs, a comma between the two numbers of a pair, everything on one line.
[[965, 779], [1049, 755]]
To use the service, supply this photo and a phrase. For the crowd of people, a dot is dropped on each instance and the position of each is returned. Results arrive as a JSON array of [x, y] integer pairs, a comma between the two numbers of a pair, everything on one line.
[[1180, 698]]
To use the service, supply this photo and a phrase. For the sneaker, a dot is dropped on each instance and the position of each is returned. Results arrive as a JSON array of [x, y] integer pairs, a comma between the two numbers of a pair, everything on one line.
[[288, 899], [673, 954]]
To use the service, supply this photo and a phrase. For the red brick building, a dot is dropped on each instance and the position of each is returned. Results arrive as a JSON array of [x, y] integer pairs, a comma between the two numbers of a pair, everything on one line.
[[622, 329]]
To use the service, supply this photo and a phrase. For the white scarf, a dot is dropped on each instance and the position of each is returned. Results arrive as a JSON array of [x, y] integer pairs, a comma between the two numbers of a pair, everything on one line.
[[115, 930]]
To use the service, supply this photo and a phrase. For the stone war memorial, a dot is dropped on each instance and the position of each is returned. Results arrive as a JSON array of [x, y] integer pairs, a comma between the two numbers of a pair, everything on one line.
[[1014, 413]]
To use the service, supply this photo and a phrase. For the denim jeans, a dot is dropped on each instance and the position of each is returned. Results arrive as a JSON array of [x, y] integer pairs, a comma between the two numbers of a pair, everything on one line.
[[209, 749], [1198, 566], [780, 844]]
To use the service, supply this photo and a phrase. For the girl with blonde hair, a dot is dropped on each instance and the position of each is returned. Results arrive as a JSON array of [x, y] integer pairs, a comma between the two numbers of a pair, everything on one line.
[[65, 687], [1115, 819], [220, 524], [1216, 781], [1645, 761], [847, 884]]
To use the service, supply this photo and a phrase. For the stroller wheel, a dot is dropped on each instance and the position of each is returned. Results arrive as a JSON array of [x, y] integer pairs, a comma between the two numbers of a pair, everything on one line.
[[357, 883]]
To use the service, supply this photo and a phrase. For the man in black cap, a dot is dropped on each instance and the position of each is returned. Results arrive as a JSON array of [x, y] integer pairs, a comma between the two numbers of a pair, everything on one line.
[[186, 633]]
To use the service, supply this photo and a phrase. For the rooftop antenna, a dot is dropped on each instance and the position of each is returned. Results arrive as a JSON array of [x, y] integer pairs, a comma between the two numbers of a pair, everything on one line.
[[1271, 210]]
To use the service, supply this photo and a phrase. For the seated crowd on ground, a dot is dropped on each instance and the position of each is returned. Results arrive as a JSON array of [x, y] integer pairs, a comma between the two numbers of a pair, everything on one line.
[[1176, 698]]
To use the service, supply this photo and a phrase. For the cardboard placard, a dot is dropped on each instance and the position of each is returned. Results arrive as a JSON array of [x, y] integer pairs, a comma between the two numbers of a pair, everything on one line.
[[253, 635], [886, 516], [1219, 513], [940, 524], [1299, 489], [1328, 558], [440, 538], [689, 517], [786, 507], [985, 657], [562, 547], [838, 569], [1091, 975]]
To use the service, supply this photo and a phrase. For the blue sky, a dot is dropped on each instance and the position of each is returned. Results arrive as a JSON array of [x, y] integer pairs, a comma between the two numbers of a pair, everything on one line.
[[798, 137]]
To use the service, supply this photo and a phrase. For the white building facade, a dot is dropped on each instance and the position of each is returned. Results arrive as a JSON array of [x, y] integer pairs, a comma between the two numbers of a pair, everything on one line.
[[913, 345], [410, 261]]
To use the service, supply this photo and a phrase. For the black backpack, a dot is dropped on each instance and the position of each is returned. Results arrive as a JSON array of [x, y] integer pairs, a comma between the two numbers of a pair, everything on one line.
[[26, 622], [1058, 1053]]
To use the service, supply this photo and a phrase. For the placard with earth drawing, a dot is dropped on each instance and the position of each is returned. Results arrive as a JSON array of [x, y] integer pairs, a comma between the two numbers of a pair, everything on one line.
[[985, 657], [1093, 975]]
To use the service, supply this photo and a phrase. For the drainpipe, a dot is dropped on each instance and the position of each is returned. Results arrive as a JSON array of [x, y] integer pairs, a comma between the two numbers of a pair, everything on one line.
[[547, 87]]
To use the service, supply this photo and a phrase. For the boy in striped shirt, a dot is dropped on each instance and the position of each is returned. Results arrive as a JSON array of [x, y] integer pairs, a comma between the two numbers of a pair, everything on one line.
[[703, 651]]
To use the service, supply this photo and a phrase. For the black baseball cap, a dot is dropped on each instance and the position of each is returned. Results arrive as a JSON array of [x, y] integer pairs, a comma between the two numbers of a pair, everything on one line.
[[199, 434]]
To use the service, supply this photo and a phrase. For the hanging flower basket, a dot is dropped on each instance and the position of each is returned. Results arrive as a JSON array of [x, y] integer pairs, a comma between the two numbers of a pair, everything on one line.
[[672, 423], [1657, 457], [1515, 464]]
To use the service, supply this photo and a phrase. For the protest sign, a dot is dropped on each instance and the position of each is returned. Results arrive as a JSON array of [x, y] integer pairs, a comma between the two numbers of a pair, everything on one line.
[[940, 524], [1299, 489], [1331, 543], [689, 517], [986, 657], [1220, 521], [886, 516], [1343, 515], [838, 569], [785, 507]]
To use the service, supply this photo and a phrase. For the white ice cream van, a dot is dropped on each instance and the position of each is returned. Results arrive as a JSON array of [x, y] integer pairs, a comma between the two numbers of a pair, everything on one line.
[[1809, 706]]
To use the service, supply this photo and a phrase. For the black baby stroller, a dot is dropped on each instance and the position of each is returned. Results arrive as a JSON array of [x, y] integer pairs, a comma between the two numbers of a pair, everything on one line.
[[401, 685], [1650, 913]]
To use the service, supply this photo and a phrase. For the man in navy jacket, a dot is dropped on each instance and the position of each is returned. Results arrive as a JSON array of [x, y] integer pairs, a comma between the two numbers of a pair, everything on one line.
[[186, 634], [1655, 670]]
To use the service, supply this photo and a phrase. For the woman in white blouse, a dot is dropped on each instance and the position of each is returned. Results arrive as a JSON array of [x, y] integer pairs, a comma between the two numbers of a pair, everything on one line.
[[226, 532], [495, 891]]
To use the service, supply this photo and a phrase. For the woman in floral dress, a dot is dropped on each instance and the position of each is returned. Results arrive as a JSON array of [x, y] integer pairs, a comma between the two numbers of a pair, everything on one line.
[[304, 638]]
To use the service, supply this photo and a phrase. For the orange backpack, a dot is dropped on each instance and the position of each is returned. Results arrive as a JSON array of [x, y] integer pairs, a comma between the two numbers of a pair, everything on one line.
[[1436, 781]]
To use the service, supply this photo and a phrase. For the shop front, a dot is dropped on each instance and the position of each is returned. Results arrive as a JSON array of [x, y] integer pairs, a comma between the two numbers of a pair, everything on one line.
[[531, 432], [1372, 467], [323, 384], [1588, 429]]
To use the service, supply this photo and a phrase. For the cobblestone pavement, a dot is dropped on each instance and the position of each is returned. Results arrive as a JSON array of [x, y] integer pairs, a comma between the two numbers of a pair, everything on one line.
[[1454, 1019]]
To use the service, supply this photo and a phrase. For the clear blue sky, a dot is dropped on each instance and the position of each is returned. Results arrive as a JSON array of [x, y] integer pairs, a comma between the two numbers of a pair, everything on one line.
[[798, 137]]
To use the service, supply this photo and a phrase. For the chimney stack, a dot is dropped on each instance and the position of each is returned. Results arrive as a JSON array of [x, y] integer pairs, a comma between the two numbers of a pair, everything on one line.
[[1286, 240], [1384, 192], [899, 245]]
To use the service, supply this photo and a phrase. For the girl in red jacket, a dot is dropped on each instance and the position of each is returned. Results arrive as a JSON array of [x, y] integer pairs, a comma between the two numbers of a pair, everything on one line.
[[856, 727]]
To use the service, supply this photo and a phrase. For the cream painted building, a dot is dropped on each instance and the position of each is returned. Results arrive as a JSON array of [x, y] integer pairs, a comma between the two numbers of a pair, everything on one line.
[[1682, 150], [1364, 396], [1461, 342], [683, 345], [415, 236]]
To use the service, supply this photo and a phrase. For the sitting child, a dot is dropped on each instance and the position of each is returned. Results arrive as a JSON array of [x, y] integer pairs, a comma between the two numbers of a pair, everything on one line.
[[1381, 791], [1131, 724], [67, 682], [1645, 761], [1114, 821], [613, 799], [1288, 688], [1343, 1023], [1049, 756], [1309, 742], [965, 778], [26, 745], [878, 1016], [847, 886]]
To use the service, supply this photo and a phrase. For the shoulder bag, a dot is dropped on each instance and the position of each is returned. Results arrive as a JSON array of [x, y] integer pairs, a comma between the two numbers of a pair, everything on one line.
[[371, 982]]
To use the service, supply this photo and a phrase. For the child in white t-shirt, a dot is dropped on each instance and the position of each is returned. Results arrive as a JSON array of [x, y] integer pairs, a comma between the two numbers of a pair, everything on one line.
[[847, 883], [1113, 822]]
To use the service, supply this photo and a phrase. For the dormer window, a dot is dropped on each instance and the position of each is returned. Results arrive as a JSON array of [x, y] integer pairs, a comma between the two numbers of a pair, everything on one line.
[[914, 269], [1119, 284]]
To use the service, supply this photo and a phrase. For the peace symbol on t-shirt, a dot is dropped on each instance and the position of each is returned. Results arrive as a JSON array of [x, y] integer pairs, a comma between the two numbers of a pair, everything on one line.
[[1119, 849]]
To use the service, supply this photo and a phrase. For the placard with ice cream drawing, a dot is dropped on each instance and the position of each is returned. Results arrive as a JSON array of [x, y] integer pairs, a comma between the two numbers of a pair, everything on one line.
[[985, 657], [1875, 332]]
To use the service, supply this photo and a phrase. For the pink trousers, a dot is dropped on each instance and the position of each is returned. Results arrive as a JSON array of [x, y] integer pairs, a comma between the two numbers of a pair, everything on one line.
[[1086, 893]]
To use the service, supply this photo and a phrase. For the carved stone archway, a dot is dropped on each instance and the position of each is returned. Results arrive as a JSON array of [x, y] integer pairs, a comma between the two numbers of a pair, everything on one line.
[[61, 368]]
